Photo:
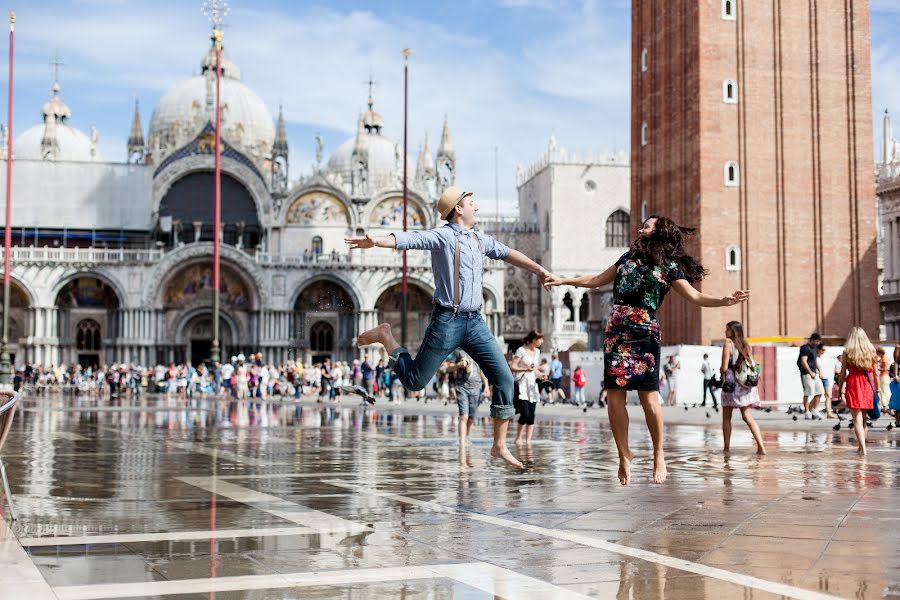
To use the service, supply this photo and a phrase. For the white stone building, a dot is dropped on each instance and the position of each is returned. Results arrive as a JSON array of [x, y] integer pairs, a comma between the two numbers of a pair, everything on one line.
[[574, 220], [887, 186], [112, 261]]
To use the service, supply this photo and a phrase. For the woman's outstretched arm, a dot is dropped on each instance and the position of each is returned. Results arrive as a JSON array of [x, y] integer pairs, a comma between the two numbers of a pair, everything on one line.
[[585, 281], [700, 299]]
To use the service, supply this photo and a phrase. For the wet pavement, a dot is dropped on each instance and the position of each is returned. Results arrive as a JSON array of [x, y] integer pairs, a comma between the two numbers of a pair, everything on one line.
[[220, 500]]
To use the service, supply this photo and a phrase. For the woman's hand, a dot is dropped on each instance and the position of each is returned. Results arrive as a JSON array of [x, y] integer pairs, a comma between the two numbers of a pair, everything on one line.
[[552, 280], [363, 243], [736, 298]]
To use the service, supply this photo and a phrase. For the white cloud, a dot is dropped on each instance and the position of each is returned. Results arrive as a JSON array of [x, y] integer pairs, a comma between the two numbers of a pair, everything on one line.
[[572, 80]]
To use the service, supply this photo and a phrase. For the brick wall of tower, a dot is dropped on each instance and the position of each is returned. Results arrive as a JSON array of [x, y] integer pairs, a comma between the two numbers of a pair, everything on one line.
[[804, 212]]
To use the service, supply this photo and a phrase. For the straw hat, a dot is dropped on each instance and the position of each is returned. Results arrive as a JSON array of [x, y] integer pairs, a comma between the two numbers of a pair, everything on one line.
[[449, 199]]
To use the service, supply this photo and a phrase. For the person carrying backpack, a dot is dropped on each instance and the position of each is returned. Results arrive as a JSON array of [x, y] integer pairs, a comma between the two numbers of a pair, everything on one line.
[[740, 378]]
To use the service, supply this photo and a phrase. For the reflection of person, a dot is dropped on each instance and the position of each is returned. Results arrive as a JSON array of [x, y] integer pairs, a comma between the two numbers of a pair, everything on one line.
[[655, 263], [457, 258]]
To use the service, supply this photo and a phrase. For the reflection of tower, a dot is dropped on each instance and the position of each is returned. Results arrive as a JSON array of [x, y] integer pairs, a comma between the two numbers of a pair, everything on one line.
[[280, 156], [136, 148], [359, 162], [446, 161]]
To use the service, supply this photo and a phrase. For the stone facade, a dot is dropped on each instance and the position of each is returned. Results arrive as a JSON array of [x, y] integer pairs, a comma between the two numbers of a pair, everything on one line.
[[573, 218], [760, 136], [112, 262]]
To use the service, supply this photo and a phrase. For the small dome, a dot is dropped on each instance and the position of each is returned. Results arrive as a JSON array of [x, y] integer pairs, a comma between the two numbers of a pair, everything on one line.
[[187, 106], [73, 145], [384, 157]]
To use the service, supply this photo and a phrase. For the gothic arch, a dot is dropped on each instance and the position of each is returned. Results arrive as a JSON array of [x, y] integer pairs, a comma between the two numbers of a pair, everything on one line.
[[116, 287], [164, 180], [332, 278], [415, 203], [302, 190], [180, 257]]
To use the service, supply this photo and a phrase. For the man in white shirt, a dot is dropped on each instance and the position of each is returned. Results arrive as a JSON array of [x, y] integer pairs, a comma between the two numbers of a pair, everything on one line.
[[708, 376], [227, 372]]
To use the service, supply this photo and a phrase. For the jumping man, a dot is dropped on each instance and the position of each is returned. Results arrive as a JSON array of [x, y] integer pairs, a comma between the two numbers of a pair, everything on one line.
[[457, 260]]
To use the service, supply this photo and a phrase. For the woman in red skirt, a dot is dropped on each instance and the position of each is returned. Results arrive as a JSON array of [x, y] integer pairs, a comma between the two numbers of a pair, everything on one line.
[[856, 381]]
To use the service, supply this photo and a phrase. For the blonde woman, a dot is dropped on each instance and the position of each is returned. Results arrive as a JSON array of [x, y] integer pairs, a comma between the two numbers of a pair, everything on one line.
[[856, 381]]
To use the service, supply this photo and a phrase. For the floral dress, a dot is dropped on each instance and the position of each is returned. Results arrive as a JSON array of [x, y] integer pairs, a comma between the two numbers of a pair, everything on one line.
[[631, 342]]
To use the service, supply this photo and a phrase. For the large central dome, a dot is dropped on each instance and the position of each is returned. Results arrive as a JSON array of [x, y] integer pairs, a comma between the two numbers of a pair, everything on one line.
[[187, 106]]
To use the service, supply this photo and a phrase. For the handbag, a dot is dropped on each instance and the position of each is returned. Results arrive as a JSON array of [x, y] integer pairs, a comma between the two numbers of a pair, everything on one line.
[[873, 413]]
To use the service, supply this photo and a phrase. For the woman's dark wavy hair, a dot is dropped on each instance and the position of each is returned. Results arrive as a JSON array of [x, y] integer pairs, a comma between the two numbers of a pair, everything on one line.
[[667, 243]]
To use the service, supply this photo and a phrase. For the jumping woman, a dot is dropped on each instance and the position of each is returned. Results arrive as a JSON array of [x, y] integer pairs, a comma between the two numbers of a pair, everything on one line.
[[656, 262]]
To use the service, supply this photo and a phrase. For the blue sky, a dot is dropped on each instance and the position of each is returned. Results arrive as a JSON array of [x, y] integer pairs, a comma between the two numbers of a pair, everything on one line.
[[506, 72]]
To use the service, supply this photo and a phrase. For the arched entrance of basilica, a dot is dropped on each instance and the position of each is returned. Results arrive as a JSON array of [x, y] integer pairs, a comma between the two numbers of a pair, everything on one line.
[[87, 321], [187, 300], [19, 322], [390, 306], [196, 337], [325, 322]]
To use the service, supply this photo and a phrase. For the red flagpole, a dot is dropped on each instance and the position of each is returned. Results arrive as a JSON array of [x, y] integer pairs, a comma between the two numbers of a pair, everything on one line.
[[218, 208], [404, 288], [5, 367]]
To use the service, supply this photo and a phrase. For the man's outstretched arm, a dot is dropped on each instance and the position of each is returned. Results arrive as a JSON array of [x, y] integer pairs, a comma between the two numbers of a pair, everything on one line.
[[517, 259], [365, 242]]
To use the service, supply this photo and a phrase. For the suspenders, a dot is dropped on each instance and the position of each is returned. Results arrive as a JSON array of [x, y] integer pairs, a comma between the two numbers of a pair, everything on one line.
[[456, 284]]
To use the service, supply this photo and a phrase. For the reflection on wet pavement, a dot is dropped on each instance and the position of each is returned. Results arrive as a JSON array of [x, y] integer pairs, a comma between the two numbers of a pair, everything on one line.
[[214, 499]]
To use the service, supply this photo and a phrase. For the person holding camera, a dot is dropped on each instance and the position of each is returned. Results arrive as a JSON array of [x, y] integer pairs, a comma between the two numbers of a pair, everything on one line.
[[740, 378], [525, 366]]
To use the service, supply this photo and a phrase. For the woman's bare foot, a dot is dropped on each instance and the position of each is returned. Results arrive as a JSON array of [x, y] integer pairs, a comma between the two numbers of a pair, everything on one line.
[[659, 468], [518, 441], [625, 468], [378, 335], [761, 450], [502, 452], [861, 451], [727, 449]]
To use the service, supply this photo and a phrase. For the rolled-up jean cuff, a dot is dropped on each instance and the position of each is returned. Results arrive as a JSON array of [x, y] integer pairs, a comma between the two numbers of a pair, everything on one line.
[[502, 411], [394, 356]]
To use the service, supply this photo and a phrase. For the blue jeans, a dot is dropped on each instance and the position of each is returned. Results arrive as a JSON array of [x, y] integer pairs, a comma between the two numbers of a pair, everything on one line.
[[446, 333]]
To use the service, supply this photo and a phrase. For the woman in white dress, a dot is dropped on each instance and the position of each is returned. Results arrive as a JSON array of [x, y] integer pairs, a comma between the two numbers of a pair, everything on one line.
[[526, 369]]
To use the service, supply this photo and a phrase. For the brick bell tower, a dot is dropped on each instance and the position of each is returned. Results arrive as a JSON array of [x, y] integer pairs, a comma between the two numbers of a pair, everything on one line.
[[752, 121]]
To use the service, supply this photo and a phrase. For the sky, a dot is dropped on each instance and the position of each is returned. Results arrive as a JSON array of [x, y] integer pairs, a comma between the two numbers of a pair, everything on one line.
[[506, 73]]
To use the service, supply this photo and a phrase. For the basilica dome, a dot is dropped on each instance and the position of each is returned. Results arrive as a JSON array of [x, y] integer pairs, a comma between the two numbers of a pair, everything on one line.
[[187, 106], [55, 139], [384, 156]]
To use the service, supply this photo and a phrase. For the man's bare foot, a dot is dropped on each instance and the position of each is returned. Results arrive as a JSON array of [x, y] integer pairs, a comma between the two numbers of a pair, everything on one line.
[[625, 468], [659, 468], [518, 442], [502, 452], [374, 336], [727, 449]]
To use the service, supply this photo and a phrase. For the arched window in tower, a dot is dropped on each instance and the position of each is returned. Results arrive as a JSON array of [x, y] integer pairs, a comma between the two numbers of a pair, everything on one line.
[[643, 60], [729, 91], [515, 302], [643, 134], [585, 309], [317, 246], [733, 258], [617, 229], [546, 230], [732, 174], [729, 10], [570, 305]]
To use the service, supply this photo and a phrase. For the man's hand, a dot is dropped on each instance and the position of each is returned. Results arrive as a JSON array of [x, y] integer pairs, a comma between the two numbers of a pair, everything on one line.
[[363, 243]]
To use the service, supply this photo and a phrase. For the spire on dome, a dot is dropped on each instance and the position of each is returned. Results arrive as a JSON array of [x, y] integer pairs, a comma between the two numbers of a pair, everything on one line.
[[359, 175], [372, 121], [445, 150], [280, 146], [55, 113], [136, 147], [361, 147]]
